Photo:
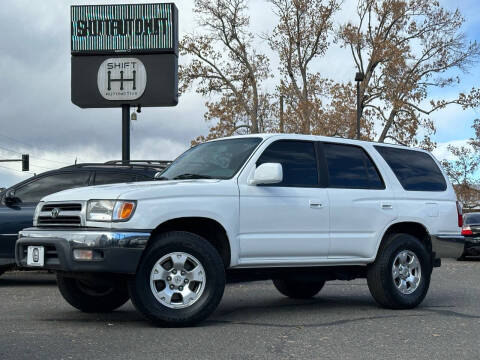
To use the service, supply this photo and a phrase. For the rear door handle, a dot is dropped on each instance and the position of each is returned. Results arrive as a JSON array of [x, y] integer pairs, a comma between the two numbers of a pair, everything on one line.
[[315, 204], [387, 206]]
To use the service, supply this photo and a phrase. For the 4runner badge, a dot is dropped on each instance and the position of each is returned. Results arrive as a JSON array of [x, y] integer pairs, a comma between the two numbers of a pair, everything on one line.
[[122, 79]]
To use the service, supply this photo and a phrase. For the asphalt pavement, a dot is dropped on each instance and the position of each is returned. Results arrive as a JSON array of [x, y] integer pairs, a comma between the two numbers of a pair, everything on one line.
[[253, 321]]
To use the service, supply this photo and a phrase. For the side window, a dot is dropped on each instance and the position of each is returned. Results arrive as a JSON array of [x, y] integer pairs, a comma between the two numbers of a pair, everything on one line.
[[350, 167], [415, 170], [298, 161], [37, 189], [102, 178]]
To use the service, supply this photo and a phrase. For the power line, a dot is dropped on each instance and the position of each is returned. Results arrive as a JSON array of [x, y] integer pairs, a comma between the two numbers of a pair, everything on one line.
[[33, 156], [23, 172]]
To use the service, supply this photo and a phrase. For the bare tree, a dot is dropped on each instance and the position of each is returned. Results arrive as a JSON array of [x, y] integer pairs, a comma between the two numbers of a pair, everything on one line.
[[300, 37], [406, 48], [462, 172], [225, 63]]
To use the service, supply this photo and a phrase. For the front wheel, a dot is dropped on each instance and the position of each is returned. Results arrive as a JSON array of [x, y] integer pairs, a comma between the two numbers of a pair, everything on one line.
[[298, 289], [93, 296], [400, 276], [180, 280]]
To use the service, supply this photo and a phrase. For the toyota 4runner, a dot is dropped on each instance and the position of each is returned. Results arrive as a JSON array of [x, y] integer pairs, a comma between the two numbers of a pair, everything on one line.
[[300, 210]]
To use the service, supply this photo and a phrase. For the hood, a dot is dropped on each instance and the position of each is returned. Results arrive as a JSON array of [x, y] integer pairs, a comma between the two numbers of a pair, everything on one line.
[[132, 191]]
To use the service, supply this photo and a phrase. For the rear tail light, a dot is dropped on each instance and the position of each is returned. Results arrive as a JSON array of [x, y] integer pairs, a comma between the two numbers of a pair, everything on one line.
[[467, 231], [459, 214]]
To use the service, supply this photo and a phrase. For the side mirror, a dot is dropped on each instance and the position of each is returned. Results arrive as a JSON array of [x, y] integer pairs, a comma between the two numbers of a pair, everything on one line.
[[10, 197], [268, 173]]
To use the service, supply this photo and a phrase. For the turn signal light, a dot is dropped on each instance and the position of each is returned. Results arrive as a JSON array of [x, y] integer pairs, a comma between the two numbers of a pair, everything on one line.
[[125, 210], [467, 231]]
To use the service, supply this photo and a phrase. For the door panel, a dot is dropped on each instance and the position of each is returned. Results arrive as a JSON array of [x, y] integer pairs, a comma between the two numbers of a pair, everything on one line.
[[279, 222], [360, 205], [358, 217], [285, 223]]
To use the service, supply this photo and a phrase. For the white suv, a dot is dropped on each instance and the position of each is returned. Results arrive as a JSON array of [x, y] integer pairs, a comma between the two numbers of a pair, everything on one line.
[[300, 210]]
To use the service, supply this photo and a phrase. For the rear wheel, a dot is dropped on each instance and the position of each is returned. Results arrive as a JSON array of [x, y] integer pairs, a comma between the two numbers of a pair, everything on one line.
[[298, 289], [400, 276], [180, 280], [93, 296]]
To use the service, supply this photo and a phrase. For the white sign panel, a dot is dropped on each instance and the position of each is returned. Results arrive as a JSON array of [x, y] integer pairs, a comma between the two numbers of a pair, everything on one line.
[[122, 79]]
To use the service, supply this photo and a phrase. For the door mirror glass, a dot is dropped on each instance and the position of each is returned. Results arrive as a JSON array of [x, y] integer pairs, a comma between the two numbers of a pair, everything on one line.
[[267, 173]]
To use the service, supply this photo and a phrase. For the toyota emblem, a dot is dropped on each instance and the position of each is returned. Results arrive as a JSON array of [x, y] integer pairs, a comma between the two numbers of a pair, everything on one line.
[[55, 212]]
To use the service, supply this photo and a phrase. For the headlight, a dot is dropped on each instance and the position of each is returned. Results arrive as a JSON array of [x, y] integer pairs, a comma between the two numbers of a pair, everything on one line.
[[110, 210]]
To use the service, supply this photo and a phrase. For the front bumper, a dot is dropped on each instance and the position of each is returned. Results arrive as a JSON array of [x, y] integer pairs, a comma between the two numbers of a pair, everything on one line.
[[114, 251], [448, 246]]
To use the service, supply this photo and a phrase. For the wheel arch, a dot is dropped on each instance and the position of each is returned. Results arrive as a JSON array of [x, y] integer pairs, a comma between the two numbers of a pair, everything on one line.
[[413, 228], [208, 228]]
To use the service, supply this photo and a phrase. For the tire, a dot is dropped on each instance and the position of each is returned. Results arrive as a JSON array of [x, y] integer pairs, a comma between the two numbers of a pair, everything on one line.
[[91, 297], [400, 291], [198, 280], [298, 290]]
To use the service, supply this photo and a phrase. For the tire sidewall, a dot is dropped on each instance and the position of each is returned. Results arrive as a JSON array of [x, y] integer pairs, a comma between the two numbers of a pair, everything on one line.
[[407, 242], [213, 287]]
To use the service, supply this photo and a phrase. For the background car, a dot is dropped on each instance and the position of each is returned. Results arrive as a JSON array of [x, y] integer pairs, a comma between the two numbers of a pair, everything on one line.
[[17, 203], [471, 231]]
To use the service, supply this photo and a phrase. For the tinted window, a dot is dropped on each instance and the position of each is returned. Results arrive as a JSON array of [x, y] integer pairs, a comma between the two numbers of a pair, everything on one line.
[[415, 170], [35, 190], [217, 159], [298, 161], [471, 219], [350, 167], [113, 178]]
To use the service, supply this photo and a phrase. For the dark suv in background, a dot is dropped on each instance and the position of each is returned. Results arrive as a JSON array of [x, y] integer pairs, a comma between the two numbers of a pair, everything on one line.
[[17, 203]]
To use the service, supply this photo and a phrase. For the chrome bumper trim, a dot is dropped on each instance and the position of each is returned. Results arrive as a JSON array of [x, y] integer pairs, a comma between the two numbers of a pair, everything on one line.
[[448, 246], [95, 239]]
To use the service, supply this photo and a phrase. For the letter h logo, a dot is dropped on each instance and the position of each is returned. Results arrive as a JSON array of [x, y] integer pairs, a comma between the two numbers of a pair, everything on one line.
[[122, 80]]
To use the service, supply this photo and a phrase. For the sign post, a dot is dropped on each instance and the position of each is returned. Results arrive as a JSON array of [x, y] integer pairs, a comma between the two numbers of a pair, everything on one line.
[[123, 56]]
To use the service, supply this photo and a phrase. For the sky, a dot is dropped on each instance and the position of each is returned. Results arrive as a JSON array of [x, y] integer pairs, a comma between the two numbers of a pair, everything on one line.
[[37, 116]]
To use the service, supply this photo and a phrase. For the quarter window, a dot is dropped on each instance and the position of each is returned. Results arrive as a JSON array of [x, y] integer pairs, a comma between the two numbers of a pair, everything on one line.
[[416, 170], [350, 167], [298, 160]]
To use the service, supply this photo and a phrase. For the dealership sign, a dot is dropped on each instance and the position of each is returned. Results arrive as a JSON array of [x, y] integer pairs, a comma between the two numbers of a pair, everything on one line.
[[135, 28], [124, 55]]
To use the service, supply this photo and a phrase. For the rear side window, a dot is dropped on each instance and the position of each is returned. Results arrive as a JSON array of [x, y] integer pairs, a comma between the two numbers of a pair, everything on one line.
[[102, 178], [349, 167], [415, 170], [298, 159]]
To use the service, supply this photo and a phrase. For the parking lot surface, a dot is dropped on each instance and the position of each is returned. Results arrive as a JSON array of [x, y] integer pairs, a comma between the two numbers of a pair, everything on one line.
[[252, 321]]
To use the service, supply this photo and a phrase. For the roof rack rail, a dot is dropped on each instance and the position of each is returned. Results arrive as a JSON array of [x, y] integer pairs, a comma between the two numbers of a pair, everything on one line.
[[156, 164], [139, 162]]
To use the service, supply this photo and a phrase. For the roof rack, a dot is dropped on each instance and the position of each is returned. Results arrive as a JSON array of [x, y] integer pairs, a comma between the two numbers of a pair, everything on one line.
[[155, 164], [140, 162]]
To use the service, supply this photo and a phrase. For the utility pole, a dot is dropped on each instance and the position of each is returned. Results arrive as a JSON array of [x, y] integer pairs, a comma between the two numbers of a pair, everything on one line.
[[282, 125], [359, 77]]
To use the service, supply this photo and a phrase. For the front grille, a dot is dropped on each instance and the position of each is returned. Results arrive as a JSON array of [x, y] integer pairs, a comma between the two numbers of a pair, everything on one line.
[[60, 220], [62, 207], [60, 214]]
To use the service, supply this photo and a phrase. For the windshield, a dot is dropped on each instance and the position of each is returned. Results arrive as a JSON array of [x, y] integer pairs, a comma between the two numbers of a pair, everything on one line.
[[472, 219], [212, 160]]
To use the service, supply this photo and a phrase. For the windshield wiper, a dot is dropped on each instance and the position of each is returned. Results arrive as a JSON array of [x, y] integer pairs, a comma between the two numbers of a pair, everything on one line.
[[192, 176]]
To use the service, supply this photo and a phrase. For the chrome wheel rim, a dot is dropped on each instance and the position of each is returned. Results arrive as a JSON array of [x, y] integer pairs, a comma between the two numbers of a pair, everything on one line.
[[177, 280], [406, 272]]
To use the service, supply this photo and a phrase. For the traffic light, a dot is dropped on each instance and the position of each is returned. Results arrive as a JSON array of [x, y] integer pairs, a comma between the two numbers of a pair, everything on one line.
[[25, 162]]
